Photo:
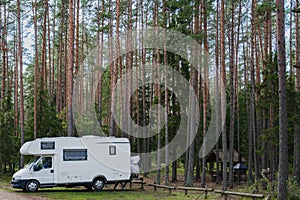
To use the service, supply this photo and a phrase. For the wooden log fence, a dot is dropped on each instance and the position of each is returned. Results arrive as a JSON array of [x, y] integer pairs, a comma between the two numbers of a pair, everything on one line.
[[206, 190], [227, 193], [170, 188]]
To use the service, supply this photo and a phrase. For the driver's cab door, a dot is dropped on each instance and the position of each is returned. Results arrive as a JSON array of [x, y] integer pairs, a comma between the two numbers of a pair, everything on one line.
[[43, 170]]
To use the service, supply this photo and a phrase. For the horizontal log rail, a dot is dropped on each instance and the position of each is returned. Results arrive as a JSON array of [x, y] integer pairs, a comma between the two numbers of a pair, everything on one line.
[[226, 193], [206, 190], [170, 188]]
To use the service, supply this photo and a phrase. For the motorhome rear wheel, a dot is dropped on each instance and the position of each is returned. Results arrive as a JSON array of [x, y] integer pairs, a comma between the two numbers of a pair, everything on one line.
[[98, 184]]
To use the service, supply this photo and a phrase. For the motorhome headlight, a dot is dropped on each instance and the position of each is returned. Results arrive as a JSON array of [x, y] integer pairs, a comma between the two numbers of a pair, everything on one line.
[[17, 178]]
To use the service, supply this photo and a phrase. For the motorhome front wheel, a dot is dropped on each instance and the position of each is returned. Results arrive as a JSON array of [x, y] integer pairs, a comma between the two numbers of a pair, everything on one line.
[[98, 184], [32, 186]]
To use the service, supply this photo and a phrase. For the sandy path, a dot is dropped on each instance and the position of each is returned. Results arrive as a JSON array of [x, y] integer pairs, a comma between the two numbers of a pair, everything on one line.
[[4, 195]]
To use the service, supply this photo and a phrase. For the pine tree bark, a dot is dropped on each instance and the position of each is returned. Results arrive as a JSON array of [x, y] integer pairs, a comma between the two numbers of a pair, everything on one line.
[[20, 59], [1, 61], [36, 70], [16, 88], [217, 83], [69, 69], [100, 36], [205, 92], [59, 84], [4, 55], [232, 98], [223, 79], [77, 38], [283, 135], [296, 160], [196, 33], [44, 63], [256, 121], [166, 100]]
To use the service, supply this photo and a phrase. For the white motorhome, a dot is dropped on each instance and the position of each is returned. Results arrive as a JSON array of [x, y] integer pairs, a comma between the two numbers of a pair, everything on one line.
[[89, 161]]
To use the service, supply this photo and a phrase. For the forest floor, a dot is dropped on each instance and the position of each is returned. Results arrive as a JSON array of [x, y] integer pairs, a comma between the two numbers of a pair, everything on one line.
[[78, 193]]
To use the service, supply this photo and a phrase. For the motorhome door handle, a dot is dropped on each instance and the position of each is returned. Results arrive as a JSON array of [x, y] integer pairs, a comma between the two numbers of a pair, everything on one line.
[[51, 171]]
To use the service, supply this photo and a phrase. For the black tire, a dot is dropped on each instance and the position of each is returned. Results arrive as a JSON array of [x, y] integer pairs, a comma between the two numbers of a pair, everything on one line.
[[98, 184], [32, 186]]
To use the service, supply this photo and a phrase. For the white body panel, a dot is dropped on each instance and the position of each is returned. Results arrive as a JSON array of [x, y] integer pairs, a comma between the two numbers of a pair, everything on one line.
[[108, 157]]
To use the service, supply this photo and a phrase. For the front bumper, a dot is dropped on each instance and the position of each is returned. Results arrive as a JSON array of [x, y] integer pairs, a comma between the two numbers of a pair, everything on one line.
[[17, 183]]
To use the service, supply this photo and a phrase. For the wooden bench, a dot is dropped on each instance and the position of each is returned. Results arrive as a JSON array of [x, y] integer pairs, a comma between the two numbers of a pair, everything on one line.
[[133, 181], [170, 188], [122, 183], [206, 190], [227, 193], [137, 181]]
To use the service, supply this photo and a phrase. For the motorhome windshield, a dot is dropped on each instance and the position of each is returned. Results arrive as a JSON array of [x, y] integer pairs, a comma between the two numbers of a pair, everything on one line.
[[31, 162]]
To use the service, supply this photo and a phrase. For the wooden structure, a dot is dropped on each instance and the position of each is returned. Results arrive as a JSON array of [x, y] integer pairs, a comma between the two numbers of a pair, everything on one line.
[[139, 181], [227, 193], [212, 158], [170, 188], [206, 190], [239, 171]]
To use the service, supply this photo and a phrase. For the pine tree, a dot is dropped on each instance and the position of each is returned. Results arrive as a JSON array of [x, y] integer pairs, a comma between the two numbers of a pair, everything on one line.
[[283, 136]]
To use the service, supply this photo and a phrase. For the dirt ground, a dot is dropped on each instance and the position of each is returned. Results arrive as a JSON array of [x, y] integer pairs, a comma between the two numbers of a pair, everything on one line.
[[4, 195]]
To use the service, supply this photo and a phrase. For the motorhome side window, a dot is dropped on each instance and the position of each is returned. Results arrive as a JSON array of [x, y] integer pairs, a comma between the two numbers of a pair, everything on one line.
[[112, 150], [75, 154], [43, 163], [47, 145]]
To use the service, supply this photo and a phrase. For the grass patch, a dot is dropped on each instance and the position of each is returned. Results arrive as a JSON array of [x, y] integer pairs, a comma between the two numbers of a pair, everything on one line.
[[108, 194], [80, 193], [5, 181]]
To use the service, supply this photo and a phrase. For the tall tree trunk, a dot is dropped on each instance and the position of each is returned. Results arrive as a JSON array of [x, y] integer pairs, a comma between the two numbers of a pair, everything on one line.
[[44, 40], [50, 84], [232, 98], [156, 72], [217, 83], [114, 74], [145, 158], [252, 129], [16, 88], [256, 81], [296, 160], [291, 41], [36, 70], [77, 38], [166, 100], [59, 84], [100, 35], [197, 24], [236, 86], [223, 79], [205, 92], [283, 135], [129, 61], [4, 56], [1, 62], [69, 69], [20, 59]]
